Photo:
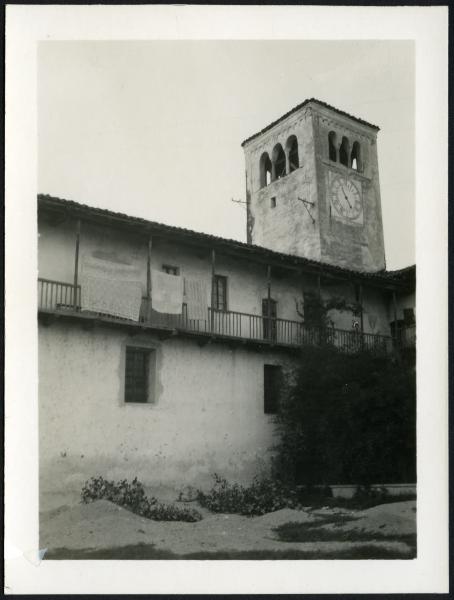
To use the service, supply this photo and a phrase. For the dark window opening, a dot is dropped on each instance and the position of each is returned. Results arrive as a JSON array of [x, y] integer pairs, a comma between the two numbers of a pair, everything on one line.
[[278, 162], [170, 270], [343, 152], [136, 374], [273, 202], [356, 157], [220, 292], [265, 170], [272, 385], [332, 146], [292, 148], [269, 320]]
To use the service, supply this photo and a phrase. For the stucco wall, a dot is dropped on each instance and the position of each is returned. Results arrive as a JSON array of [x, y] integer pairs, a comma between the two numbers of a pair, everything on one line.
[[207, 413]]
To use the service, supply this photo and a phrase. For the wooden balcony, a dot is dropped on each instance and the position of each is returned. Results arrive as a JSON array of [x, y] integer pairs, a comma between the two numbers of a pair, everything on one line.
[[58, 299]]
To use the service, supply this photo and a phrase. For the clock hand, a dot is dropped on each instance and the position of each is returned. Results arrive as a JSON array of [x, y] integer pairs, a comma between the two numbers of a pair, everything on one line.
[[345, 196]]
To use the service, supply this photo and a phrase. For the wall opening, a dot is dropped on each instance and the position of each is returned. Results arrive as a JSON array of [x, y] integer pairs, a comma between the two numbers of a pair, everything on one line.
[[265, 170], [356, 157], [273, 202], [344, 152], [292, 150], [332, 146], [137, 375], [278, 162]]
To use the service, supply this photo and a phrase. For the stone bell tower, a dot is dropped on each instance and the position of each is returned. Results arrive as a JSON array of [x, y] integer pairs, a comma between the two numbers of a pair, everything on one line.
[[313, 190]]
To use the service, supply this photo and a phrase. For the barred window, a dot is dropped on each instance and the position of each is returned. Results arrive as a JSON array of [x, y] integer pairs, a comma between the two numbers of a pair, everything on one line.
[[137, 374], [272, 384]]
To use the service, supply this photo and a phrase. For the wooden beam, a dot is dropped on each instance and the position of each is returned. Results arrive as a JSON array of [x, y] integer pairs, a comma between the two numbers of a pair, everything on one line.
[[150, 245], [76, 264], [361, 306], [213, 273]]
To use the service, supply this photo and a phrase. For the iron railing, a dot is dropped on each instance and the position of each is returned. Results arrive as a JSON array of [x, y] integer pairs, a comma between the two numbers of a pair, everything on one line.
[[59, 297]]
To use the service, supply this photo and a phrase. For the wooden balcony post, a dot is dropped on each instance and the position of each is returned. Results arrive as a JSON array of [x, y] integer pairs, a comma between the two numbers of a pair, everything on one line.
[[213, 272], [268, 284], [76, 264], [150, 246]]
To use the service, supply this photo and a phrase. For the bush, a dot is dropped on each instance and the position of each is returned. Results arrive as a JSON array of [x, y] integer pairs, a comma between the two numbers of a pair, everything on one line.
[[348, 419], [262, 496], [132, 497]]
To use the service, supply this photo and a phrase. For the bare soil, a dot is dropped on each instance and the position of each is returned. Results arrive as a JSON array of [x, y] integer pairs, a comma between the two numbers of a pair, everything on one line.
[[101, 526]]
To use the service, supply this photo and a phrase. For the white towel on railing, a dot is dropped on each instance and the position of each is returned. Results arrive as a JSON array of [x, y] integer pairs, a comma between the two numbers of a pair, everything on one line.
[[196, 298], [111, 288], [166, 292]]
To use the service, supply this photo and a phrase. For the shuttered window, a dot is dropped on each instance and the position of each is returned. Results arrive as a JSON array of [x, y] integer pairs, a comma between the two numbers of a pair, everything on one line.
[[272, 385], [137, 374], [220, 292]]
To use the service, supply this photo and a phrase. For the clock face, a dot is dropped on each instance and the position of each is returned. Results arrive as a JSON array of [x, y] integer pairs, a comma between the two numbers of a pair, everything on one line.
[[346, 199]]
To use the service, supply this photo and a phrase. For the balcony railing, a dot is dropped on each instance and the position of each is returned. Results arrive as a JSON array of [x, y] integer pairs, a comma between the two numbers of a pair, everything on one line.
[[58, 297]]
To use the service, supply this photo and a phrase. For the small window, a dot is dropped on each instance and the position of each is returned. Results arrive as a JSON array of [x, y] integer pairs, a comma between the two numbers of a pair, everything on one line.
[[273, 202], [170, 270], [332, 146], [220, 292], [272, 384], [137, 371]]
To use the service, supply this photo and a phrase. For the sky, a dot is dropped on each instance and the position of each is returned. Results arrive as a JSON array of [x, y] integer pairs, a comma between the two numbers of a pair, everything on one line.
[[154, 128]]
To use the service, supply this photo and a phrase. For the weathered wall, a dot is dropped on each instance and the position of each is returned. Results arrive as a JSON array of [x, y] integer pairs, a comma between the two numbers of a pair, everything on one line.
[[207, 416], [351, 245], [288, 227]]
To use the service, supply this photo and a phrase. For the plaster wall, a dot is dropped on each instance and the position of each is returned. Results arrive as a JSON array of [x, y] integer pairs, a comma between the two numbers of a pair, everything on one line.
[[206, 416], [359, 245], [288, 227]]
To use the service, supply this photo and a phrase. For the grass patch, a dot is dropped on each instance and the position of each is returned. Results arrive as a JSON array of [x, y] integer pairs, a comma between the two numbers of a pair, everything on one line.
[[150, 552], [317, 532]]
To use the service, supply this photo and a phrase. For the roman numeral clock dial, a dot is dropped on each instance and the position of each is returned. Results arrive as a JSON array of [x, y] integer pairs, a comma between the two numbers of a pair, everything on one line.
[[346, 201]]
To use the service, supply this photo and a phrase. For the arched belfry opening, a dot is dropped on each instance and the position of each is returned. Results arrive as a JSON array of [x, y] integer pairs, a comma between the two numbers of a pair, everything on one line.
[[332, 148], [265, 170], [278, 162], [292, 152], [356, 157], [344, 153]]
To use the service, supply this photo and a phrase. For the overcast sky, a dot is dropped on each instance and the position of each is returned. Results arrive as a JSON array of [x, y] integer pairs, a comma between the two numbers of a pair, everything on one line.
[[154, 129]]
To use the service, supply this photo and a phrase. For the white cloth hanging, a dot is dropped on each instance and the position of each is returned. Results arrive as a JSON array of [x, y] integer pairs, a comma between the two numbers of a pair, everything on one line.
[[196, 298], [166, 292], [111, 288]]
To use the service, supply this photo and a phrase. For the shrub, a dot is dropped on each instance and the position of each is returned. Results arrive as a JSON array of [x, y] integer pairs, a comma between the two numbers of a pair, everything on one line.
[[348, 419], [132, 497], [262, 496]]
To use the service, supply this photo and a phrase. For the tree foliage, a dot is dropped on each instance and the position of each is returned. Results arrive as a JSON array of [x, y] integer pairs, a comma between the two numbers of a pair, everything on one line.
[[348, 419]]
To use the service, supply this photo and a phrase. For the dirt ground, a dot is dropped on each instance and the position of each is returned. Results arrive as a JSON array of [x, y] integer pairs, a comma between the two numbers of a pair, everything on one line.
[[102, 525]]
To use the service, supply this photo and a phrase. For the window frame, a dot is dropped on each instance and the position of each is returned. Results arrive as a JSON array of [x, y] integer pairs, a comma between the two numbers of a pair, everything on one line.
[[171, 269], [149, 375], [215, 292]]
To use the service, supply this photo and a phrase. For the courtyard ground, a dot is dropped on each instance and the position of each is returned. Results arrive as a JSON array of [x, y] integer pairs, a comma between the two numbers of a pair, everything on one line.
[[102, 530]]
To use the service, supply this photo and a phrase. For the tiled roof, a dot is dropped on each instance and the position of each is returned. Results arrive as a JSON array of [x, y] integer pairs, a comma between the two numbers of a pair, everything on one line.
[[296, 108], [248, 250]]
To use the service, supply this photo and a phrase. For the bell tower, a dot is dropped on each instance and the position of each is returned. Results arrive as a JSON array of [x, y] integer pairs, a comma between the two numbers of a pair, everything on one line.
[[313, 190]]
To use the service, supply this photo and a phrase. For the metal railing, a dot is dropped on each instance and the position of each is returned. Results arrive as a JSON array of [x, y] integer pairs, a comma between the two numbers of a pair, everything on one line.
[[59, 297]]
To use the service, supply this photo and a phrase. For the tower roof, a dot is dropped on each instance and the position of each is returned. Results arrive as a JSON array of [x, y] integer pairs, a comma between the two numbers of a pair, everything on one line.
[[306, 102]]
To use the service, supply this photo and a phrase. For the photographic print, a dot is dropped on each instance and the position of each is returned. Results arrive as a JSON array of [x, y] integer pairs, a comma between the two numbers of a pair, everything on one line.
[[227, 363]]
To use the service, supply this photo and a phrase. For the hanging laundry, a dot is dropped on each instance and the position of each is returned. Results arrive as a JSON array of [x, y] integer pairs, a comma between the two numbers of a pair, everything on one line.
[[196, 298], [166, 292], [111, 288]]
